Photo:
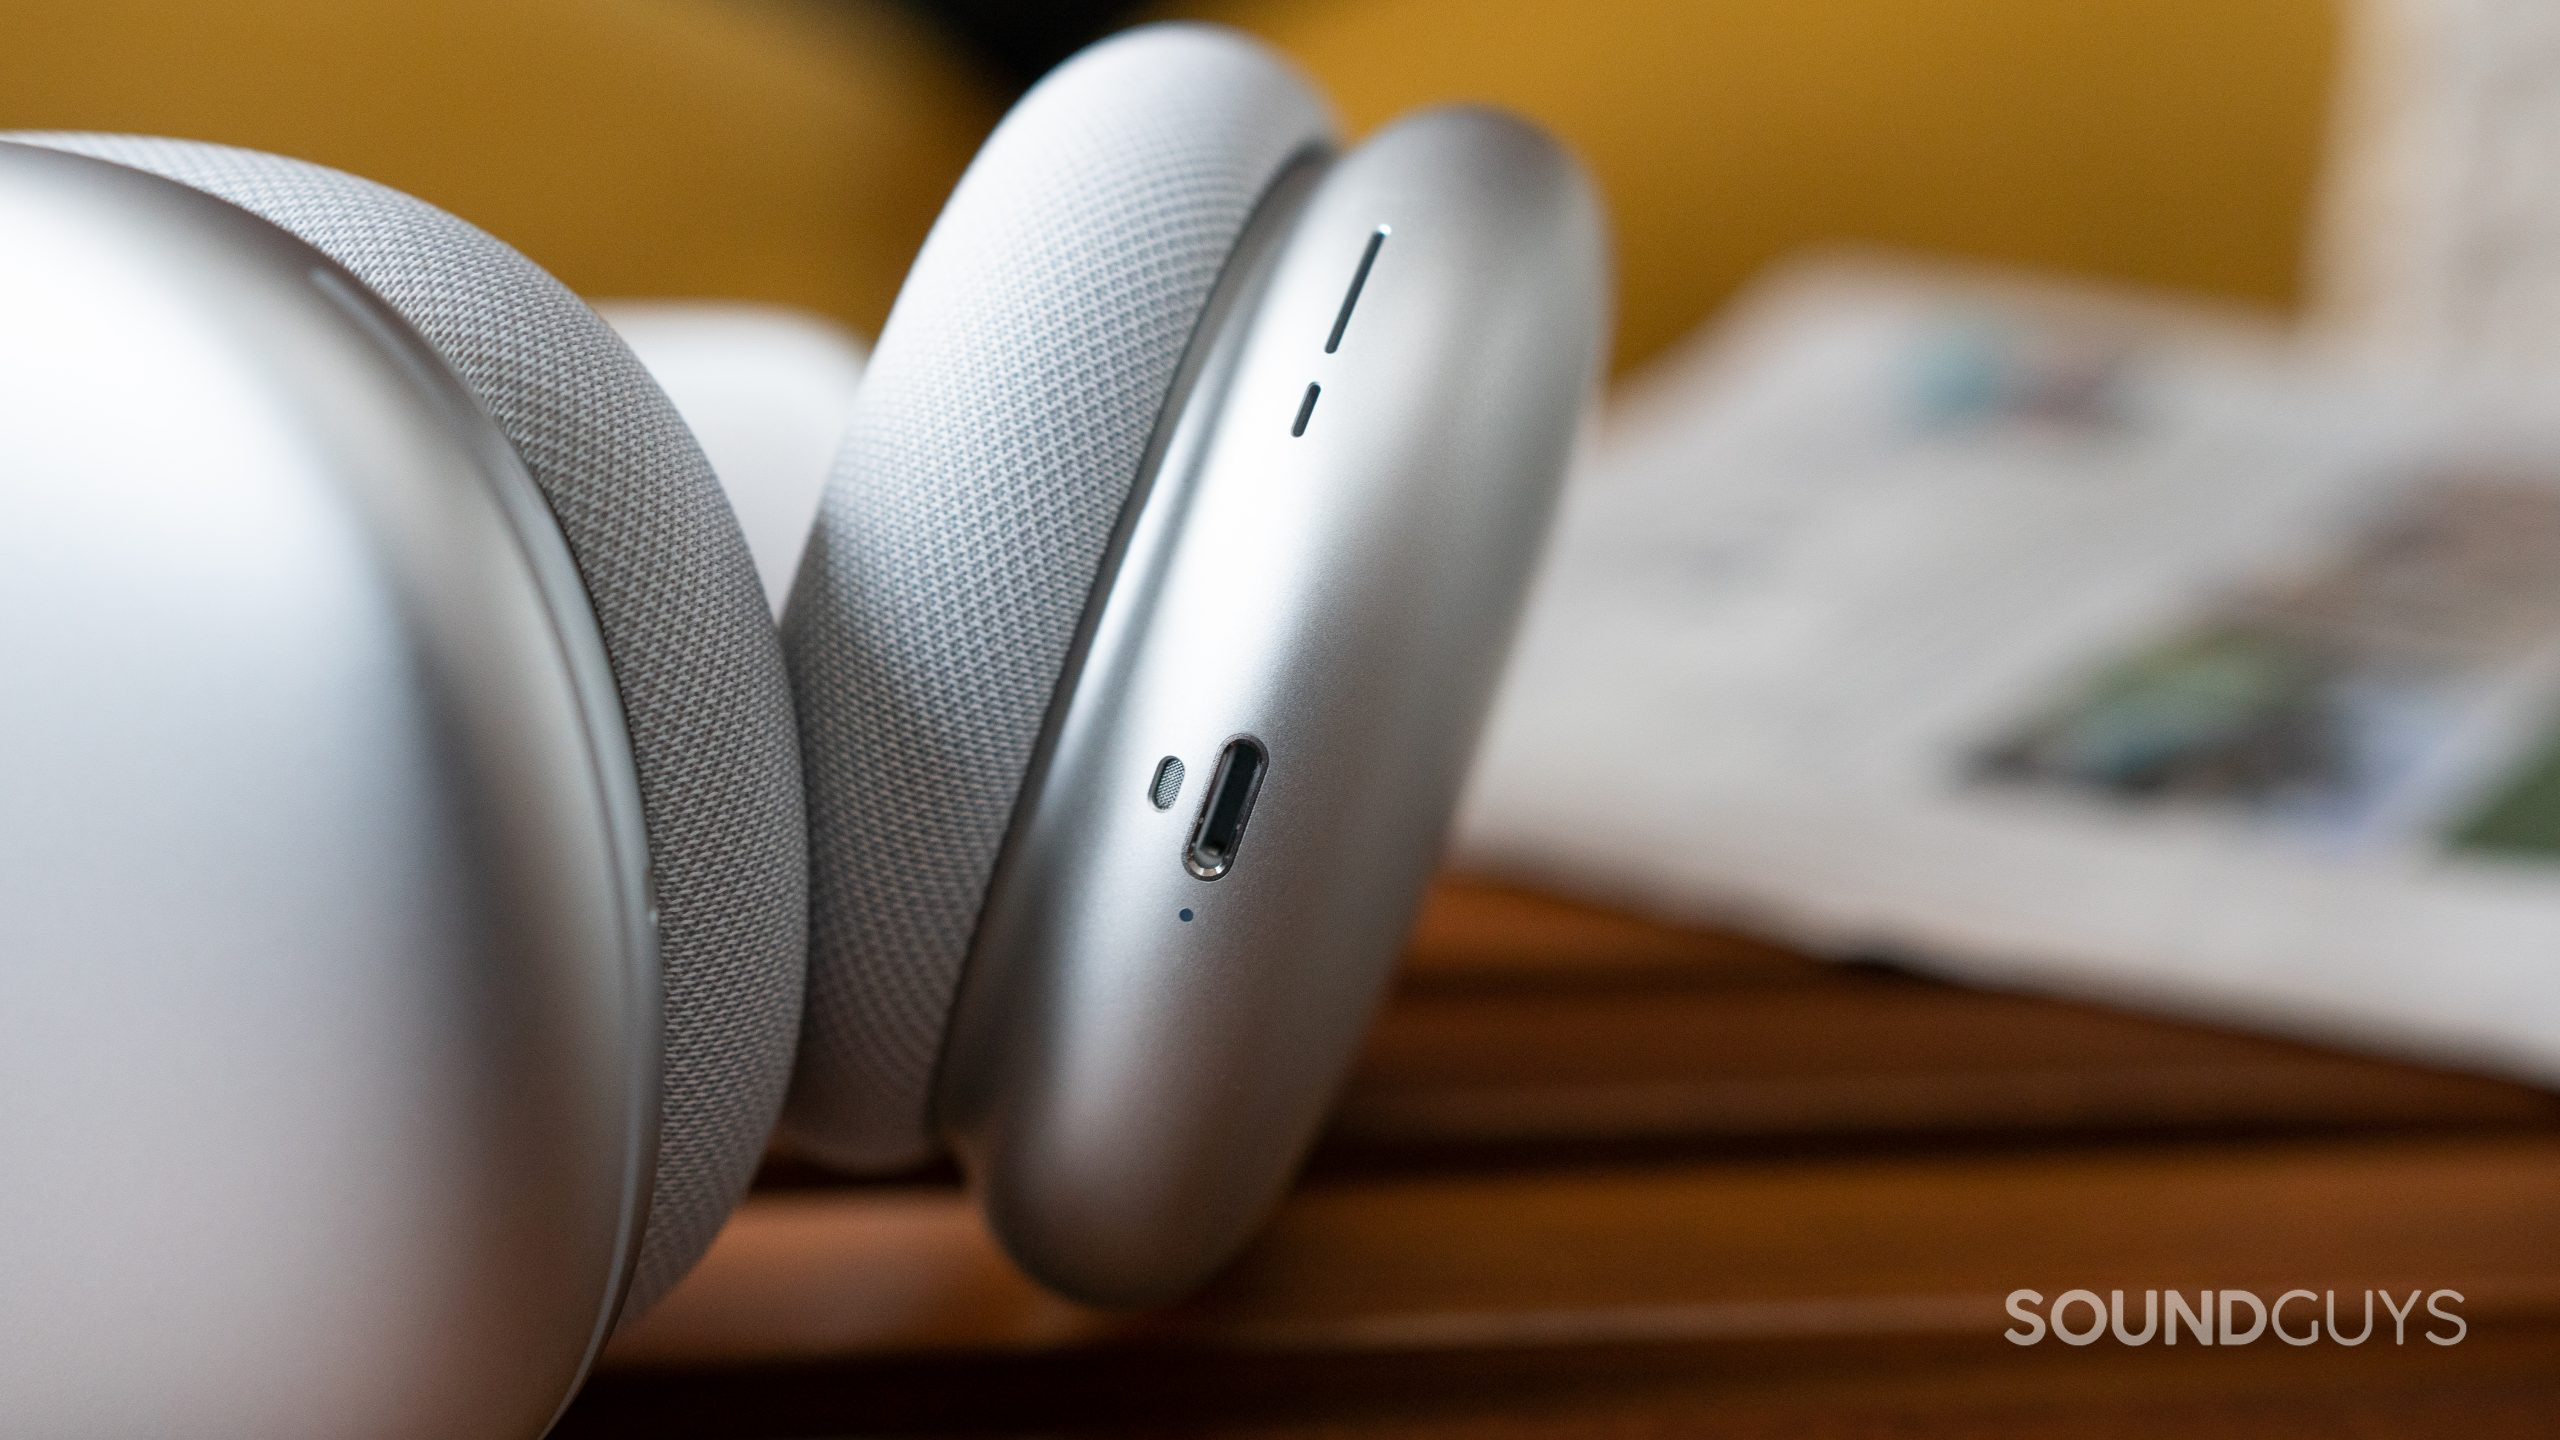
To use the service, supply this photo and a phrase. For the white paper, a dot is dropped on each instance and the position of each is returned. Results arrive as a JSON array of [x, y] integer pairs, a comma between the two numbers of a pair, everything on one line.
[[1832, 568]]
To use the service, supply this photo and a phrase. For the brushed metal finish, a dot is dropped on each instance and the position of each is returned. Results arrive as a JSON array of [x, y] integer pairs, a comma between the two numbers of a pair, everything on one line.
[[328, 1011], [1131, 1089]]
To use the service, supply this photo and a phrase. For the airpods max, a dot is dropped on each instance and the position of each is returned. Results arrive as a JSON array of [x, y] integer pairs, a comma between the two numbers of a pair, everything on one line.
[[433, 878]]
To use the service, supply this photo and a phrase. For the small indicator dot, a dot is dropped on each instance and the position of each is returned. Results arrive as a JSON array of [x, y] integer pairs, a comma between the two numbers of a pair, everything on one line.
[[1183, 914]]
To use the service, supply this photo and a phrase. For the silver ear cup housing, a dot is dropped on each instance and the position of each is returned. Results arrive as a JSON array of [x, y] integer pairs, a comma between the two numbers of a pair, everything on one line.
[[670, 586], [328, 1007], [1188, 451], [986, 471], [1344, 505]]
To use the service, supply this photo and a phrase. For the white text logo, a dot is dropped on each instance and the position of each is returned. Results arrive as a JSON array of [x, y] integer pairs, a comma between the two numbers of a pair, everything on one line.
[[2230, 1317]]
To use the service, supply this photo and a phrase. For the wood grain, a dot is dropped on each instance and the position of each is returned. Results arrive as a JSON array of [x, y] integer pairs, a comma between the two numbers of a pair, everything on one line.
[[1525, 1021], [1600, 1177]]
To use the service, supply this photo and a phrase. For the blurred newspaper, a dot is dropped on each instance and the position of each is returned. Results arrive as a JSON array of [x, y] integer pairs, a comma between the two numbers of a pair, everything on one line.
[[2439, 238], [2063, 639]]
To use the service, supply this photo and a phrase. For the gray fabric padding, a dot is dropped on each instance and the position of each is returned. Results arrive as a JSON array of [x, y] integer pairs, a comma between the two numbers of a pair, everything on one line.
[[685, 625], [993, 447]]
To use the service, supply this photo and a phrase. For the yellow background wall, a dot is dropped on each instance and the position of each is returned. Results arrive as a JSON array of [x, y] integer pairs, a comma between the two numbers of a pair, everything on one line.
[[795, 150], [783, 150], [2171, 142]]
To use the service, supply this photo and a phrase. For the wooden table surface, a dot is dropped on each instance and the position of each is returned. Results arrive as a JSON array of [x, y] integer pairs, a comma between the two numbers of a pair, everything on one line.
[[1600, 1177]]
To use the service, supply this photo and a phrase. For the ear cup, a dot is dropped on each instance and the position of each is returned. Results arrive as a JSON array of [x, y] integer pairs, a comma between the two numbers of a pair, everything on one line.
[[992, 452], [685, 626]]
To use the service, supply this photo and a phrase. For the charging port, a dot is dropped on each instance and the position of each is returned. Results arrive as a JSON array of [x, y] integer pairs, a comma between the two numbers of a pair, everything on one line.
[[1220, 828]]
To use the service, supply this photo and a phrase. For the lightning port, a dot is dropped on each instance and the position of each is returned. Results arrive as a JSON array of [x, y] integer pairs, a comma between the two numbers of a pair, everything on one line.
[[1220, 828]]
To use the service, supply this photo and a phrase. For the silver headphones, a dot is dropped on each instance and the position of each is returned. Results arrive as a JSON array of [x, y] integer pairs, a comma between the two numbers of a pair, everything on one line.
[[431, 877]]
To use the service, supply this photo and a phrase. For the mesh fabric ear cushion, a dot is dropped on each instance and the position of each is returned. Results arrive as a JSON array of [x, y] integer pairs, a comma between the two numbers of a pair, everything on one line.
[[993, 448], [694, 656]]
